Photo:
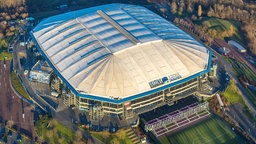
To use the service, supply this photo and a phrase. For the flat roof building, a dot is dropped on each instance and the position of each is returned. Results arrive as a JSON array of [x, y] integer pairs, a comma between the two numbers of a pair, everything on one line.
[[117, 55], [237, 46], [40, 72]]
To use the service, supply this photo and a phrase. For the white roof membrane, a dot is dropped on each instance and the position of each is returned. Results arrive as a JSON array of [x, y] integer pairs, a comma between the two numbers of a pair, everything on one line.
[[118, 50]]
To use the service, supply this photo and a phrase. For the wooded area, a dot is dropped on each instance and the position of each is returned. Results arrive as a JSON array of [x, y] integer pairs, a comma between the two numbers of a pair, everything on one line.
[[11, 3], [10, 12], [243, 11]]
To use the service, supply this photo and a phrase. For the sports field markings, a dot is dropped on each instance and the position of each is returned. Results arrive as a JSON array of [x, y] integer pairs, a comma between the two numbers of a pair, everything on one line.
[[212, 139], [204, 138], [207, 140]]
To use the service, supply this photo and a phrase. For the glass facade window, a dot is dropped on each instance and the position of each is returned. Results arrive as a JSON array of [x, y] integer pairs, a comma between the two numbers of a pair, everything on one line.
[[106, 104], [83, 100], [147, 97], [113, 105], [83, 105]]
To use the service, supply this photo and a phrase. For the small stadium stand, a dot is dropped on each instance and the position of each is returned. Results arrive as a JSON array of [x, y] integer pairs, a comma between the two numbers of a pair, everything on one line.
[[158, 112], [166, 119]]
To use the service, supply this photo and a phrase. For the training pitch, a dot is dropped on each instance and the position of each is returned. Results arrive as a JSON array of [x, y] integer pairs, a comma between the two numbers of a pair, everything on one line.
[[210, 131]]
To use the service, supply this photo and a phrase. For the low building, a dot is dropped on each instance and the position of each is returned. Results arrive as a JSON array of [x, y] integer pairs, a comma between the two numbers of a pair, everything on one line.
[[40, 72], [213, 71], [237, 46]]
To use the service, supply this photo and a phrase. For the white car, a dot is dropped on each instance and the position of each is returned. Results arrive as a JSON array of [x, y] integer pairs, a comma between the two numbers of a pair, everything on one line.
[[143, 140]]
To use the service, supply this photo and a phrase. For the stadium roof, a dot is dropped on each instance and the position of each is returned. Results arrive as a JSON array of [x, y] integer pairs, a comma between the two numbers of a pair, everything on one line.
[[118, 50]]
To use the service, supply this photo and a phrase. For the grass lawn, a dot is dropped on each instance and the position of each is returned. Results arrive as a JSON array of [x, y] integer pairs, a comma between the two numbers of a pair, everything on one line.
[[53, 132], [241, 69], [222, 27], [5, 41], [232, 94], [3, 54], [23, 140], [18, 86], [210, 131], [109, 138]]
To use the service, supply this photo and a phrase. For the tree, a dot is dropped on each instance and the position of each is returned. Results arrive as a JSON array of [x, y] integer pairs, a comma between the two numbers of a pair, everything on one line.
[[24, 15], [220, 10], [210, 12], [105, 134], [231, 30], [199, 12], [206, 25], [174, 7], [120, 134], [212, 32], [224, 33], [250, 35], [3, 43], [252, 12], [115, 141], [79, 138], [1, 36], [181, 8], [10, 3], [7, 17], [13, 16], [190, 8], [229, 12], [79, 135], [193, 17]]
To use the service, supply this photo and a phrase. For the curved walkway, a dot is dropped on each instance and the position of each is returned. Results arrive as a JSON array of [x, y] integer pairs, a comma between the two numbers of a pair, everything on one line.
[[17, 93]]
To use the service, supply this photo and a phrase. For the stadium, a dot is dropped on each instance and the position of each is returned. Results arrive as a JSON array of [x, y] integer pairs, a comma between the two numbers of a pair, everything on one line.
[[121, 60]]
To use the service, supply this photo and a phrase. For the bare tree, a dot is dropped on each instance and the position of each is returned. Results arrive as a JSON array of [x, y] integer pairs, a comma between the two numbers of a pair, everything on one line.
[[199, 12], [174, 7]]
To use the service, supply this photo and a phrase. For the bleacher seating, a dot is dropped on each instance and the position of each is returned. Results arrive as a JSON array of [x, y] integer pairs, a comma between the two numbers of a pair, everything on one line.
[[158, 112], [181, 123]]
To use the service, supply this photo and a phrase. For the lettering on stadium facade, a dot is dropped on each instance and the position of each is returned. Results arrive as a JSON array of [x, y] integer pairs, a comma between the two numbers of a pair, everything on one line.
[[163, 80]]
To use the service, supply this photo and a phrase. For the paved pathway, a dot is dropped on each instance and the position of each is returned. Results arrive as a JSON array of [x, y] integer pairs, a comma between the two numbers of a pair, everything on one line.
[[65, 116]]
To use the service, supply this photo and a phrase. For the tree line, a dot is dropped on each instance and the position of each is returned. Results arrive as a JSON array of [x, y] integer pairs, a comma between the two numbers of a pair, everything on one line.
[[10, 12], [11, 3], [238, 10]]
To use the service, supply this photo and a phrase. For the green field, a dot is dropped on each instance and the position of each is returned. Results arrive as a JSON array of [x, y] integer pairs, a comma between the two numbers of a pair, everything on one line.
[[210, 131], [220, 28], [241, 69], [232, 94], [52, 131], [18, 86], [5, 54], [119, 137]]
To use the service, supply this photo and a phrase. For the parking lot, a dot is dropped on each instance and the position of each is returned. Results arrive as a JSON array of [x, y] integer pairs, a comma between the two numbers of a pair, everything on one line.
[[12, 108]]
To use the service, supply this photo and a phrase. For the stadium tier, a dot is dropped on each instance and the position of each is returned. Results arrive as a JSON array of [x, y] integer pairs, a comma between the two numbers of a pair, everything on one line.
[[121, 59], [166, 119]]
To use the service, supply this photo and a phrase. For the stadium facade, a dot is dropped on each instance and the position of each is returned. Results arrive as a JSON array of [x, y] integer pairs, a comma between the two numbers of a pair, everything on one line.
[[121, 59]]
